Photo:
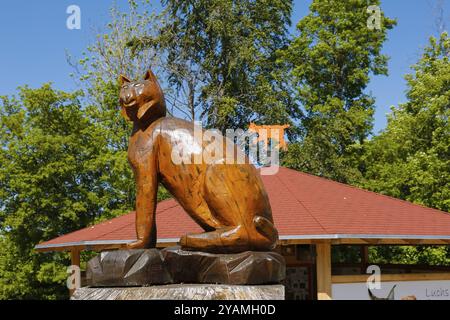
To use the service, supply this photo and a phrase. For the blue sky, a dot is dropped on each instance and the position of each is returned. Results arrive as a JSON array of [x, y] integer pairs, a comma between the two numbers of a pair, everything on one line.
[[34, 41]]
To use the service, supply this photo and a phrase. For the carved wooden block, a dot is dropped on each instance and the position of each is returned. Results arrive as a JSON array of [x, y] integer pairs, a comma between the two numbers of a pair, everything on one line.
[[248, 267], [127, 268], [173, 265]]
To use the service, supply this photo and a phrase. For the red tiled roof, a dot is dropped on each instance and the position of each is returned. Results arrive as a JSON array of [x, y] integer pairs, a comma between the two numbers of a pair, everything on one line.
[[303, 206]]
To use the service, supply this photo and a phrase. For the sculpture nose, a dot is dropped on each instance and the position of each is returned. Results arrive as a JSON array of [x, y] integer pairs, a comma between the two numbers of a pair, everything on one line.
[[126, 98]]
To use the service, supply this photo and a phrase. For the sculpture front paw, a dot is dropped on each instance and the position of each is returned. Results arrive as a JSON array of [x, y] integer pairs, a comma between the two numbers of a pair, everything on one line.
[[139, 244]]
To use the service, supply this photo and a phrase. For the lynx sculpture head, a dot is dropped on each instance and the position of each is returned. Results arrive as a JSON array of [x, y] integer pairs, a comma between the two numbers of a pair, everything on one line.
[[142, 101]]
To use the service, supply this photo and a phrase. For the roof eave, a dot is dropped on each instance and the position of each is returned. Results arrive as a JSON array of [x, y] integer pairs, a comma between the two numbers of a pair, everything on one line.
[[373, 239]]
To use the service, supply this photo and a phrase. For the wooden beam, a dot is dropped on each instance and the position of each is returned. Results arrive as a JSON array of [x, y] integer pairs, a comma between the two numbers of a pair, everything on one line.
[[364, 252], [414, 242], [288, 242], [97, 247], [392, 277], [75, 257], [323, 267], [283, 242], [75, 261], [404, 242], [100, 247]]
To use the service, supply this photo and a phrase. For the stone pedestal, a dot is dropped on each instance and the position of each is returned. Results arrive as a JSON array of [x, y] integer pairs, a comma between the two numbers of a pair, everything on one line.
[[183, 292]]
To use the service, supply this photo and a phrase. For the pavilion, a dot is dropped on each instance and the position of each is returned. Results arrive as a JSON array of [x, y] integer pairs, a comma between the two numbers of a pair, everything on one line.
[[312, 214]]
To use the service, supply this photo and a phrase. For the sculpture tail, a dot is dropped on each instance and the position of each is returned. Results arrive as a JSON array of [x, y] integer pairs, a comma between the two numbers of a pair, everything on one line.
[[267, 229]]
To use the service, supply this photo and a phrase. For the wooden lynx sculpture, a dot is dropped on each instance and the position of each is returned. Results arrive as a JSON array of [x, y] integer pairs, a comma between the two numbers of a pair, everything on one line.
[[227, 200]]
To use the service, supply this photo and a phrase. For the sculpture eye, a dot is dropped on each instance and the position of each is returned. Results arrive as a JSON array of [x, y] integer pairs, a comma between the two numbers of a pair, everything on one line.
[[138, 85]]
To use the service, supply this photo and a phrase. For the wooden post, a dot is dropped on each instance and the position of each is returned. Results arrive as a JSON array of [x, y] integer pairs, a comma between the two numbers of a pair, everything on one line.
[[364, 258], [323, 267], [75, 261]]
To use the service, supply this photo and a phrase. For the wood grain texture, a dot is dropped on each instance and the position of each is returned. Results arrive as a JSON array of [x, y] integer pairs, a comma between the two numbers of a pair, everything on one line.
[[75, 261], [323, 270], [145, 267], [183, 292], [227, 200]]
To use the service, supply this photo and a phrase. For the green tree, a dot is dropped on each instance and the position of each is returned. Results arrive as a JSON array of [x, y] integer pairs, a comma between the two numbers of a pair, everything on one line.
[[331, 60], [421, 255], [53, 180], [97, 73], [410, 159], [220, 55], [63, 162]]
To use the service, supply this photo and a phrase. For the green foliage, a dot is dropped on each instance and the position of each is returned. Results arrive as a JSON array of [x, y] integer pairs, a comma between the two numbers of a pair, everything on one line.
[[406, 255], [221, 58], [421, 255], [345, 254], [53, 180], [64, 163], [26, 274], [410, 159], [331, 60], [226, 62], [98, 73]]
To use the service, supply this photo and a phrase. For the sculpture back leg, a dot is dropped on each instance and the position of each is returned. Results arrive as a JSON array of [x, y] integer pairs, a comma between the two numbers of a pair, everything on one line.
[[202, 215], [232, 201]]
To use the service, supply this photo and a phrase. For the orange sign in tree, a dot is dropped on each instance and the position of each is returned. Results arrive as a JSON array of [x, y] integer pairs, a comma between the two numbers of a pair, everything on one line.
[[274, 132]]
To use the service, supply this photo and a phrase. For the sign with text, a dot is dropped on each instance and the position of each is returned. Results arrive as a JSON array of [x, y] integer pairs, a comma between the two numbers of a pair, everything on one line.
[[394, 290]]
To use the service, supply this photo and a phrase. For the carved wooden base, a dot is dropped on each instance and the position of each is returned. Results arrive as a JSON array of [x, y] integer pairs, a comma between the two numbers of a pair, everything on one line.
[[183, 292], [125, 268]]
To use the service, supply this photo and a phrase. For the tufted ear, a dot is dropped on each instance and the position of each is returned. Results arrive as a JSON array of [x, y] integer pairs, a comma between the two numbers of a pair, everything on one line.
[[149, 75], [123, 80]]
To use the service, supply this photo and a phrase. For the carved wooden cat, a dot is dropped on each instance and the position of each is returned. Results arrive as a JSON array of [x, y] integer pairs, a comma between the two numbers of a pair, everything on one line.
[[227, 200]]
